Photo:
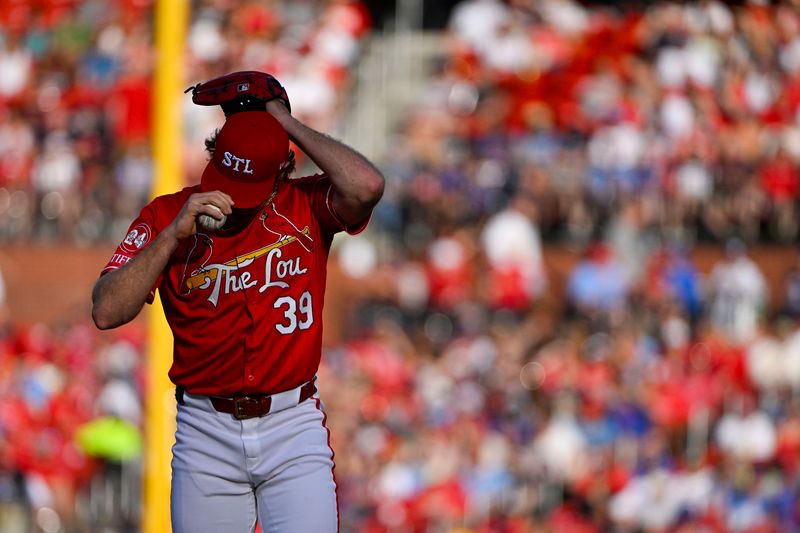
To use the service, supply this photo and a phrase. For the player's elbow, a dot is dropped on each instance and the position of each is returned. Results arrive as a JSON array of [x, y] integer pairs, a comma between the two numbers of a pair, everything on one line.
[[111, 318], [372, 185], [376, 186], [105, 313], [102, 318]]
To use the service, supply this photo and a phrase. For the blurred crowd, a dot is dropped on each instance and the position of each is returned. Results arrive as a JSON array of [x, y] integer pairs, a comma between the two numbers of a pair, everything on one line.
[[667, 401], [75, 98], [70, 421], [636, 393], [474, 391], [683, 112]]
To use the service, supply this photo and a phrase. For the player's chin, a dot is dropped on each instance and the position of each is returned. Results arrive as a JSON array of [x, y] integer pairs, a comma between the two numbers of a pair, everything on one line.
[[245, 212], [243, 215], [240, 218]]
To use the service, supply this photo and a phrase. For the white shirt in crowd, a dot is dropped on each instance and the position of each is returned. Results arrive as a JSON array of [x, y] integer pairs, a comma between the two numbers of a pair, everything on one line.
[[739, 293], [511, 240]]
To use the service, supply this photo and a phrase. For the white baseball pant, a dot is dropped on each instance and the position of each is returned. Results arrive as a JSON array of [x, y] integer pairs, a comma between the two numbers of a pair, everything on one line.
[[277, 468]]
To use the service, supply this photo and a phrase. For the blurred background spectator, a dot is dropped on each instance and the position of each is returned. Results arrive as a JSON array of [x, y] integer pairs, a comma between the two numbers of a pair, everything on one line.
[[476, 383]]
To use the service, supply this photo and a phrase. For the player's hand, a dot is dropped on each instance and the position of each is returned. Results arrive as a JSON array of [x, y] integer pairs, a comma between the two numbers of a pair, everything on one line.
[[277, 109], [202, 203]]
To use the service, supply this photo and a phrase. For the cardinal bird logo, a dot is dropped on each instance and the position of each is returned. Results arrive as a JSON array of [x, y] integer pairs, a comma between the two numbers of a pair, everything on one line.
[[283, 227]]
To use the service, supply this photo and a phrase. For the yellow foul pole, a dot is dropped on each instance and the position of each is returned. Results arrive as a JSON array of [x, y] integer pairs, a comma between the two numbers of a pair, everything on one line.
[[170, 29]]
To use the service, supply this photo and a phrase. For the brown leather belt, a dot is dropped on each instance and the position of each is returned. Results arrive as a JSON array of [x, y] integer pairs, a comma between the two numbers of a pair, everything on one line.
[[251, 406]]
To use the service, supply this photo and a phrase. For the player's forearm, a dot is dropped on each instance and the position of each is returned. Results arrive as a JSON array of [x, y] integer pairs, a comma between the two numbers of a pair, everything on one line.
[[358, 182], [119, 295]]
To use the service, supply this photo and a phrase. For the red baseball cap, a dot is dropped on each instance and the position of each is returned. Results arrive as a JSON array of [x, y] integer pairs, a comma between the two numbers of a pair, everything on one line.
[[250, 149]]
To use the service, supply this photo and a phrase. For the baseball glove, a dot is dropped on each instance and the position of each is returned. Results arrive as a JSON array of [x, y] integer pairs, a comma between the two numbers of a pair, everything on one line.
[[246, 90]]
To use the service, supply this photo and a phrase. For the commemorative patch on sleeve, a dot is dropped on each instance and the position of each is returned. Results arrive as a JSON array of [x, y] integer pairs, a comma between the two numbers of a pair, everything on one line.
[[137, 238]]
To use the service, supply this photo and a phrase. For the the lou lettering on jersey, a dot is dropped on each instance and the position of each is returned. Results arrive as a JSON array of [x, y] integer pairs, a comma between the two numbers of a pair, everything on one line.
[[227, 277]]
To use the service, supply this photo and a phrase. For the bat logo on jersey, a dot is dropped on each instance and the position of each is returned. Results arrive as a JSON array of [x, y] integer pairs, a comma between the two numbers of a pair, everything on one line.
[[227, 277], [136, 238]]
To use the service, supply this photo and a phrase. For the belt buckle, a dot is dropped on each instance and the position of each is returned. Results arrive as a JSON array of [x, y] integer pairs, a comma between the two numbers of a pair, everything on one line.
[[238, 407]]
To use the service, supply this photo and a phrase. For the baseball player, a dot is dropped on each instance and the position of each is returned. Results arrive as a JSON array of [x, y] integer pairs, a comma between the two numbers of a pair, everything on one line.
[[239, 262]]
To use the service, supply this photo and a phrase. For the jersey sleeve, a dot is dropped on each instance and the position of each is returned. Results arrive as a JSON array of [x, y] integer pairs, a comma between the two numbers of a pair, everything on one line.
[[324, 210], [140, 234]]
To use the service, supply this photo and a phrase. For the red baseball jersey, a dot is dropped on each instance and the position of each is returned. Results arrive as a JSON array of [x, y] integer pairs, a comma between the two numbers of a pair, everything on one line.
[[245, 310]]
